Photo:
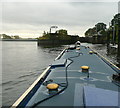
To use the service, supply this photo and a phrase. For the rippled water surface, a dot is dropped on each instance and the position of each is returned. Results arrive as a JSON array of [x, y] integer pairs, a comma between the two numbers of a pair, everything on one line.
[[23, 62]]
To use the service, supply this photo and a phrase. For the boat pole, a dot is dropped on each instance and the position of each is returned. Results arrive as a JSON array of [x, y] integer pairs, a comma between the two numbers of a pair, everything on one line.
[[118, 29]]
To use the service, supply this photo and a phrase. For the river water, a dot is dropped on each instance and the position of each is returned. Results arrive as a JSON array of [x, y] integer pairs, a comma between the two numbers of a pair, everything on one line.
[[23, 62]]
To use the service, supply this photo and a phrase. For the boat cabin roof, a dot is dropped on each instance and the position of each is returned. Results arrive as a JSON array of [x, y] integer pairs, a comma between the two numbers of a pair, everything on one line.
[[84, 88]]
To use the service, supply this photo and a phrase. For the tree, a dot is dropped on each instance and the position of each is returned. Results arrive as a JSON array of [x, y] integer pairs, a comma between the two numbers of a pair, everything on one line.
[[63, 35], [90, 32], [44, 33], [16, 37], [60, 34], [114, 26], [100, 26], [99, 29], [6, 36]]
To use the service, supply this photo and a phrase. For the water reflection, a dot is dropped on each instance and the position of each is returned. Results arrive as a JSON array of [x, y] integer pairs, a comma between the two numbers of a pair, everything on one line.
[[49, 46], [53, 50]]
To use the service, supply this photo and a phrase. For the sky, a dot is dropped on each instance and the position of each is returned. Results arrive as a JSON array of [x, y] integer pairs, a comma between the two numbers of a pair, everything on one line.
[[31, 18]]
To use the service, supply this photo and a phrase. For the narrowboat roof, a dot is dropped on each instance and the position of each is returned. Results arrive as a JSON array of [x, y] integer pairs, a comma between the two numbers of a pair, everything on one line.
[[77, 87]]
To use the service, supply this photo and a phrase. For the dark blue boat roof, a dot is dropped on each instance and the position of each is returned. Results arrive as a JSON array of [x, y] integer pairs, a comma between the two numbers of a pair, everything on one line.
[[80, 88]]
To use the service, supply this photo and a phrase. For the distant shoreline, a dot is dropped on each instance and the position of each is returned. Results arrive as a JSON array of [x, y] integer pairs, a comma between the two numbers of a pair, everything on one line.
[[18, 39]]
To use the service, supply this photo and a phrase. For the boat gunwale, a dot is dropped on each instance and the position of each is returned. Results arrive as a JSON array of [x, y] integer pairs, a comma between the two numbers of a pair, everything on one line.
[[59, 56], [106, 60], [19, 100]]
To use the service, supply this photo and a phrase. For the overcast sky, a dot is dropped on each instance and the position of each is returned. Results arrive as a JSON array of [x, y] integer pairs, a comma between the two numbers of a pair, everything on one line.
[[30, 19]]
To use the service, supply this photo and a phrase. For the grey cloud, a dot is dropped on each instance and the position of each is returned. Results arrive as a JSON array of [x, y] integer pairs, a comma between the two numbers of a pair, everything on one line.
[[38, 14]]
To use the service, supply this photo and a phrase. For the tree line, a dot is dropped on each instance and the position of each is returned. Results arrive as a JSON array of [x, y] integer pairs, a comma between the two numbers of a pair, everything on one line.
[[100, 30], [4, 36]]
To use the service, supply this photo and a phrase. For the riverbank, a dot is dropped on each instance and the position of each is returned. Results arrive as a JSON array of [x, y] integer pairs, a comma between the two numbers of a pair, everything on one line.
[[93, 40]]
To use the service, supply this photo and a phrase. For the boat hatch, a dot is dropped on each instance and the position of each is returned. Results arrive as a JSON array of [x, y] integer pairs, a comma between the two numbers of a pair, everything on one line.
[[100, 97], [59, 63]]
